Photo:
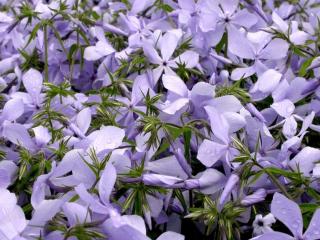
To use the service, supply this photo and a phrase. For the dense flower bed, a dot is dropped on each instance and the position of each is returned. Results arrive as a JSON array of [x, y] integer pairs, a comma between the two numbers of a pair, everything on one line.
[[159, 119]]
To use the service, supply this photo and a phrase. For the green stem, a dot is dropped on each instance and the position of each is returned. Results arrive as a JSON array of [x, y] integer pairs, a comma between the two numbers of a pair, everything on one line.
[[277, 183], [274, 180], [46, 68]]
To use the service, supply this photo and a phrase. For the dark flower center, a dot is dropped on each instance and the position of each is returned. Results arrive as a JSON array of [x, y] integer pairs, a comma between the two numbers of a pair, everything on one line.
[[260, 223]]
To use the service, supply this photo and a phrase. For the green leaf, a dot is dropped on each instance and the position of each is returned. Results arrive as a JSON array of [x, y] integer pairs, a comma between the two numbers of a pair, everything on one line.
[[33, 34], [313, 193], [296, 50], [179, 195], [73, 49], [163, 147], [175, 131], [84, 37], [95, 15], [287, 174], [304, 66], [2, 155], [241, 158], [234, 90], [187, 139], [222, 42], [256, 176], [165, 7], [308, 207]]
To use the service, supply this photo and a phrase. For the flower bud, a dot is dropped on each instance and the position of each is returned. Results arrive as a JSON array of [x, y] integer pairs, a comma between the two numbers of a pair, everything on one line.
[[159, 180], [231, 183], [252, 109], [192, 184], [256, 197]]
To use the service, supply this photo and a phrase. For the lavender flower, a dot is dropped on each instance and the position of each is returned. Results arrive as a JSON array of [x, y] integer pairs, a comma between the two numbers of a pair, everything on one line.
[[289, 214], [262, 224]]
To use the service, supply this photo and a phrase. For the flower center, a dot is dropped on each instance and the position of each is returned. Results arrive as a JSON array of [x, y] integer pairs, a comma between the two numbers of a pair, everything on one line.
[[260, 223]]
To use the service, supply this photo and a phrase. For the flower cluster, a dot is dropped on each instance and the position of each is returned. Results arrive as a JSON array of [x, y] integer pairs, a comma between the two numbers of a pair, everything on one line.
[[159, 119]]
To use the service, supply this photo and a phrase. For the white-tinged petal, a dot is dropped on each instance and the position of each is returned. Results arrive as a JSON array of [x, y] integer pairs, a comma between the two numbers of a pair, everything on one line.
[[84, 119], [108, 137], [175, 106], [268, 81], [101, 49], [32, 81], [210, 152], [235, 121], [238, 44], [13, 109], [175, 84], [284, 108], [305, 160], [168, 44]]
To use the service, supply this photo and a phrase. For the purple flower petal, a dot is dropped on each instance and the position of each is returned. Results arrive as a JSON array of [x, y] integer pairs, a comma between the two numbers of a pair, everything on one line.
[[13, 109], [168, 43], [274, 236], [41, 135], [189, 58], [101, 49], [175, 84], [8, 173], [229, 6], [84, 119], [210, 152], [170, 235], [238, 44], [268, 81], [284, 108], [305, 160], [159, 180], [106, 183], [219, 125], [76, 213], [312, 232], [12, 221], [211, 181], [231, 183], [151, 54], [108, 137], [240, 73], [288, 212], [244, 18], [18, 134], [187, 5], [32, 81], [276, 49]]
